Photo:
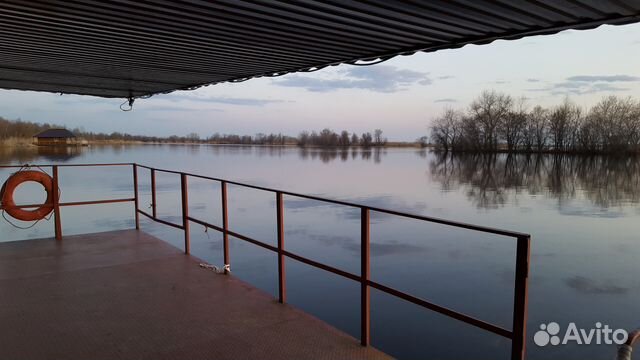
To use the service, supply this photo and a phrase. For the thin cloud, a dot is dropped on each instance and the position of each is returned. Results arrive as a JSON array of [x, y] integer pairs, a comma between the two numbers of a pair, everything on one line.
[[571, 88], [165, 108], [533, 80], [446, 100], [385, 79], [579, 88], [219, 100], [445, 77], [604, 78]]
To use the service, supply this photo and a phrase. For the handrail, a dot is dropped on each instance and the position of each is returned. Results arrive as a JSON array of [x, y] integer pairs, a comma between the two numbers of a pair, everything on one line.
[[467, 226], [516, 334], [351, 204]]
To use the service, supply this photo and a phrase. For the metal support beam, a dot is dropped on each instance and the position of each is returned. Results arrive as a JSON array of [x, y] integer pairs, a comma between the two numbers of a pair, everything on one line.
[[135, 195], [365, 273], [185, 213], [520, 298], [282, 278], [153, 193], [225, 226], [56, 203]]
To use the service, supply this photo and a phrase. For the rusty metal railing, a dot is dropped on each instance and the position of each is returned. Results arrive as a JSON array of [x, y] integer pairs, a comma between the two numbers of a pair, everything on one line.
[[517, 334]]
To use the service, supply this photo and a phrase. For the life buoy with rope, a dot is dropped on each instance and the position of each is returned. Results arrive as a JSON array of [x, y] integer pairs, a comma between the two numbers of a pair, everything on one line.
[[9, 187]]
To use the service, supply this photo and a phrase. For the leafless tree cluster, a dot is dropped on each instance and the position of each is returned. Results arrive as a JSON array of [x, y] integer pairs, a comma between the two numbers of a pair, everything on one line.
[[329, 138], [497, 122], [20, 129], [258, 139]]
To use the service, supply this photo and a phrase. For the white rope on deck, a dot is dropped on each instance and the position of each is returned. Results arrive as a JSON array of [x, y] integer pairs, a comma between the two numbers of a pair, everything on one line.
[[225, 269]]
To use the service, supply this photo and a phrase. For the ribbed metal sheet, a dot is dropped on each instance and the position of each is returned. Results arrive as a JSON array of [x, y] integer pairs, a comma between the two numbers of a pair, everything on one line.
[[122, 48]]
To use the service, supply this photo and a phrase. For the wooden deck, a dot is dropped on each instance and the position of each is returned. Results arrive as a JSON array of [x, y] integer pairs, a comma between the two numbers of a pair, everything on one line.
[[128, 295]]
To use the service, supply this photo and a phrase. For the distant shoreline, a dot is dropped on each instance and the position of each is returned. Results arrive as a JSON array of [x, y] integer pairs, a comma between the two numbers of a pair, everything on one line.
[[28, 142]]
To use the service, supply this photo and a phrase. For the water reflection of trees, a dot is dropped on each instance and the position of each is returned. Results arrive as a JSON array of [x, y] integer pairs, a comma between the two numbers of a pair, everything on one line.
[[328, 155], [30, 154], [489, 179]]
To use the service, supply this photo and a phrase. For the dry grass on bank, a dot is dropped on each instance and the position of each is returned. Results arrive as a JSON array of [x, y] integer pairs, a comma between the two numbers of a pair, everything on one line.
[[16, 142]]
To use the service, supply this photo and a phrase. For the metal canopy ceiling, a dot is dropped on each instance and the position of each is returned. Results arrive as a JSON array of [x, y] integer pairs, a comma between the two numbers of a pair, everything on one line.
[[122, 48]]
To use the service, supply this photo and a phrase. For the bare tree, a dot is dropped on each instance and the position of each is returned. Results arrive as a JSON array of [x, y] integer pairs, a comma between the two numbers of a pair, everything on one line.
[[423, 141], [366, 139], [344, 138], [537, 127], [615, 121], [563, 125], [378, 140], [489, 110], [354, 139], [513, 124], [446, 129]]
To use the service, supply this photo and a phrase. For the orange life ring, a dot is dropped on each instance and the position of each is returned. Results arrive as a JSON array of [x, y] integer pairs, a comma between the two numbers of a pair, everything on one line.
[[6, 195]]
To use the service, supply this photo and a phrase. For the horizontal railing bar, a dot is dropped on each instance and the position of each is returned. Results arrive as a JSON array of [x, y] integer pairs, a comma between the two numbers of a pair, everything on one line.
[[284, 252], [391, 291], [107, 164], [160, 220], [328, 268], [443, 310], [64, 165], [345, 203], [110, 201], [204, 223], [27, 206], [253, 241], [73, 203]]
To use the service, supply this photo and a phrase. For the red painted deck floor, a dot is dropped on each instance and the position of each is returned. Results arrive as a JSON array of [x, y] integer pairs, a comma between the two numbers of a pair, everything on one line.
[[128, 295]]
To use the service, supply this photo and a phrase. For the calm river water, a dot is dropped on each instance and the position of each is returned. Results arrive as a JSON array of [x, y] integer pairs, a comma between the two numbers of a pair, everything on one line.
[[583, 214]]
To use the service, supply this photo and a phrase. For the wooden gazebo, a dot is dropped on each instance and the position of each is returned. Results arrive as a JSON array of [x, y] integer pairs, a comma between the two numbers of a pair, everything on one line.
[[52, 137]]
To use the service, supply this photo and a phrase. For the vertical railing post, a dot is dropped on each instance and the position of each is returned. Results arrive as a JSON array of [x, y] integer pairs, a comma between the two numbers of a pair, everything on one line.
[[153, 193], [185, 213], [135, 195], [365, 273], [56, 203], [225, 226], [282, 278], [520, 298]]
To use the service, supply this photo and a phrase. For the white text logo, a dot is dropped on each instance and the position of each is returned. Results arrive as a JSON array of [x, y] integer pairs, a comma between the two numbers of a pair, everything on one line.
[[550, 334]]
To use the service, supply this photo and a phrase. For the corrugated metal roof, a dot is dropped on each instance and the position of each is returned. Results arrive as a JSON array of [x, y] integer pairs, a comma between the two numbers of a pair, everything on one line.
[[55, 133], [122, 48]]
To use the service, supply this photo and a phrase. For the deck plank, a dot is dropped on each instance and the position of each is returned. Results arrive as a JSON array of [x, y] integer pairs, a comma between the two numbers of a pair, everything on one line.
[[128, 295]]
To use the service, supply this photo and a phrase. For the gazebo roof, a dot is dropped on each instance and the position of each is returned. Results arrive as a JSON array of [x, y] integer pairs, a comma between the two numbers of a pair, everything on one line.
[[55, 133], [125, 48]]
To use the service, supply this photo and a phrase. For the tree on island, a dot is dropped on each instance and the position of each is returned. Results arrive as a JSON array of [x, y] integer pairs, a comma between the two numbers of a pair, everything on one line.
[[497, 122]]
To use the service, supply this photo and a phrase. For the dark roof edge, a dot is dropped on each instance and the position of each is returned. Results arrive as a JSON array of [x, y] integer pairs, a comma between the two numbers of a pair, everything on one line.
[[55, 133], [586, 25]]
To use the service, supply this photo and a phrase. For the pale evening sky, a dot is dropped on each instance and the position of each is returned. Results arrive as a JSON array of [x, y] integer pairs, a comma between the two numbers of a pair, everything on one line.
[[400, 96]]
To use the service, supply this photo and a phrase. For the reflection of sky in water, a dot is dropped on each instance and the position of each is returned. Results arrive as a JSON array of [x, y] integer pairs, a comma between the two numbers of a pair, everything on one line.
[[582, 212]]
